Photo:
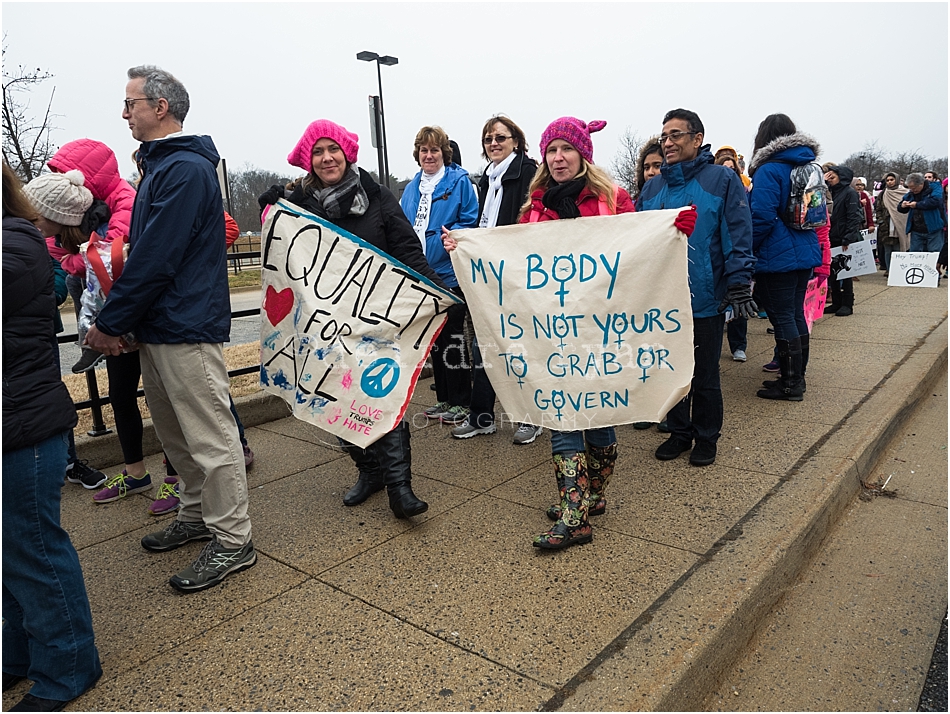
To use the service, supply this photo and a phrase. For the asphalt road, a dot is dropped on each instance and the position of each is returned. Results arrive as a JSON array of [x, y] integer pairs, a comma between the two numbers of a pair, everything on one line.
[[243, 330]]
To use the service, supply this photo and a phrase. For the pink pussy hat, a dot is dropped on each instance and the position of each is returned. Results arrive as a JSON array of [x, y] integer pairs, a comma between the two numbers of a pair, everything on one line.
[[301, 155], [574, 132]]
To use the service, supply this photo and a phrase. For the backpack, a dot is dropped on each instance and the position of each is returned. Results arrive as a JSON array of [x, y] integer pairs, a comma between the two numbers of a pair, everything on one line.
[[807, 207]]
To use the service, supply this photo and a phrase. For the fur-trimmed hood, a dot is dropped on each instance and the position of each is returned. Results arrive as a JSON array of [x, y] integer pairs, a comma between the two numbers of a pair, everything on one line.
[[791, 141]]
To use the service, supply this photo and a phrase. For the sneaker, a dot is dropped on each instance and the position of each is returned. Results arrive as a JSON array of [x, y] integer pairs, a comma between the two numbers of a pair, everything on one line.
[[468, 430], [248, 456], [436, 411], [641, 425], [769, 330], [82, 473], [526, 433], [167, 499], [763, 315], [175, 534], [454, 415], [673, 447], [88, 360], [214, 564], [772, 367], [739, 356], [122, 485], [30, 703]]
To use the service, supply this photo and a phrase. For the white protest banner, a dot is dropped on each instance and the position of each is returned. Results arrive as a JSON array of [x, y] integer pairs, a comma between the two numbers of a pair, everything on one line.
[[913, 270], [581, 323], [858, 259], [870, 235], [345, 328]]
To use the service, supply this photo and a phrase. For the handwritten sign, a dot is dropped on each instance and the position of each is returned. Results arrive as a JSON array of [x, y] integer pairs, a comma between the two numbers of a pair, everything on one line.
[[581, 323], [345, 328], [913, 270], [815, 297], [858, 259]]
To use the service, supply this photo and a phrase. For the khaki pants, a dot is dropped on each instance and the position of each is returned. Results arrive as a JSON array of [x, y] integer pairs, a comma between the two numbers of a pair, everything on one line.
[[187, 390]]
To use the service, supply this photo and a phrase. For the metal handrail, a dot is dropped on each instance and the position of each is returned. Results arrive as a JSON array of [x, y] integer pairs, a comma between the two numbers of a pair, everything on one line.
[[96, 401]]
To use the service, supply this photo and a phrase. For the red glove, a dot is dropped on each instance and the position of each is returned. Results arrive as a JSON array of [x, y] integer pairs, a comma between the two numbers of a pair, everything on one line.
[[686, 221]]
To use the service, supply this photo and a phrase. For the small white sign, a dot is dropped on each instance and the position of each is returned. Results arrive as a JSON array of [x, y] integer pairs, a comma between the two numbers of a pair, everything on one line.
[[858, 259], [913, 270]]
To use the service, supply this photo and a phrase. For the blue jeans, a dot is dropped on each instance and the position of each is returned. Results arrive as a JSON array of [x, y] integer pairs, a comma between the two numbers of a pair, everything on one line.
[[737, 331], [698, 416], [783, 295], [572, 442], [926, 242], [884, 251], [47, 628]]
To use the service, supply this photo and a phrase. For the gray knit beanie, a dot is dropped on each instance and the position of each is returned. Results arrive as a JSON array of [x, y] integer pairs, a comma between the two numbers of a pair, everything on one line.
[[60, 198]]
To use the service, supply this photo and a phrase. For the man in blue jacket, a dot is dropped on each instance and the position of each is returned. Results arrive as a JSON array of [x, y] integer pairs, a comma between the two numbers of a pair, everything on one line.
[[720, 272], [173, 295], [923, 205]]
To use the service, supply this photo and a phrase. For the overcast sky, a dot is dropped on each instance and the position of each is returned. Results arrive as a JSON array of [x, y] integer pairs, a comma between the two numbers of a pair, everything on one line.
[[257, 74]]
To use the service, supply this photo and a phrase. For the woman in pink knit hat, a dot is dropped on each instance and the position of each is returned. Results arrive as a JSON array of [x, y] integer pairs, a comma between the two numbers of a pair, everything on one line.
[[337, 190]]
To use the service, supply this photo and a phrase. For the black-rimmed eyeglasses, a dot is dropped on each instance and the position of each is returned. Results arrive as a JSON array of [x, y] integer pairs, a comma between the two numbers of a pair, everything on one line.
[[129, 103]]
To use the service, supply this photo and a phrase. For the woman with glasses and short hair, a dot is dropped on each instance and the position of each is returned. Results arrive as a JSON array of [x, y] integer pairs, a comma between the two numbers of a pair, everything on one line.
[[441, 196], [502, 189]]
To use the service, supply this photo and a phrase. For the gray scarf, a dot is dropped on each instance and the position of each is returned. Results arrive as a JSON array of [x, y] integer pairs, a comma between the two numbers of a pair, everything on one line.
[[347, 197]]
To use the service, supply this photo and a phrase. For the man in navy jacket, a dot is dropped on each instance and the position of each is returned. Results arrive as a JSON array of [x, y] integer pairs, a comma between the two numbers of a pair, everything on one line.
[[923, 205], [173, 296], [720, 272]]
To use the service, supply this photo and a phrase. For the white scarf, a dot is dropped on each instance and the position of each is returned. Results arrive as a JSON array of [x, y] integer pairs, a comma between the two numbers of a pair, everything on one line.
[[495, 192], [427, 185]]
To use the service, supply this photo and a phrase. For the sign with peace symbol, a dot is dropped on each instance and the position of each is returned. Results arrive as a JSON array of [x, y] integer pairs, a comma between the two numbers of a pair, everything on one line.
[[380, 377], [914, 276]]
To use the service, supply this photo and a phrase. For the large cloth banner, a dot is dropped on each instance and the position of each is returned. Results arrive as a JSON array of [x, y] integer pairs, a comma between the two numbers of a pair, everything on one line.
[[581, 323], [345, 328]]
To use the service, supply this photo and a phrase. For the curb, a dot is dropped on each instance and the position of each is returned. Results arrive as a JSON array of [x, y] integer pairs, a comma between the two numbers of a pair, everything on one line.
[[675, 654], [103, 451]]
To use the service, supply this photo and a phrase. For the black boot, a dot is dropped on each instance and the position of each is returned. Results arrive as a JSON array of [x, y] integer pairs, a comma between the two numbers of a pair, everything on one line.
[[789, 385], [394, 455], [777, 383], [370, 479]]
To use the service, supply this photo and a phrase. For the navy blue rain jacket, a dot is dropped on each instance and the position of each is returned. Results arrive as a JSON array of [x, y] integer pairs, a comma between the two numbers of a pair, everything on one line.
[[778, 248], [930, 203], [174, 288], [720, 248]]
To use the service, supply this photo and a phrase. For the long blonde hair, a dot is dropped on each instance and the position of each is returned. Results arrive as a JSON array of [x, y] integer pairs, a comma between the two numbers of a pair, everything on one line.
[[595, 178]]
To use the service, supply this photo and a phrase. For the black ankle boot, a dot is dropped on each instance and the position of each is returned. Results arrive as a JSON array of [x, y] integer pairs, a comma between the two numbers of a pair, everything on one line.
[[370, 479], [394, 454]]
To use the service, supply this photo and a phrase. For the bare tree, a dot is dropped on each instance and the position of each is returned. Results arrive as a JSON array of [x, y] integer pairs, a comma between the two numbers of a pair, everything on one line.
[[624, 164], [26, 138], [247, 183], [873, 162]]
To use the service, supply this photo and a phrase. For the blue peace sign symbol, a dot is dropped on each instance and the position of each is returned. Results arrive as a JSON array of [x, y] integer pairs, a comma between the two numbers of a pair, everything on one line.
[[374, 380]]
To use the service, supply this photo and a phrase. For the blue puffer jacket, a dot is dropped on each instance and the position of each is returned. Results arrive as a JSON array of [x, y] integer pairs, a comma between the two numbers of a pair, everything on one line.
[[454, 205], [930, 203], [778, 248], [174, 288], [720, 248]]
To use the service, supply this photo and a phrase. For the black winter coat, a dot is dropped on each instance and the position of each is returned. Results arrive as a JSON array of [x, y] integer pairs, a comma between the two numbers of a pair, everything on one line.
[[36, 403], [514, 185], [383, 226], [846, 214]]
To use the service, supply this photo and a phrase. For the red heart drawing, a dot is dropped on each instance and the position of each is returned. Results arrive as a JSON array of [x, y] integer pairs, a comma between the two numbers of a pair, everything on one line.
[[277, 305]]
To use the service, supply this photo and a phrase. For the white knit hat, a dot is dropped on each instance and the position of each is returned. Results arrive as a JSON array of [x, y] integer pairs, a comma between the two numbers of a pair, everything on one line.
[[60, 198]]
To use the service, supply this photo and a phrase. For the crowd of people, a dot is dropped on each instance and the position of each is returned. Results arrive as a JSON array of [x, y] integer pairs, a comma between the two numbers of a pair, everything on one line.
[[146, 267]]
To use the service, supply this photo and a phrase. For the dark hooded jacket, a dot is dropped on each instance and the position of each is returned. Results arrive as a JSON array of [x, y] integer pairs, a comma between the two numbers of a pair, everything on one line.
[[778, 248], [174, 288], [514, 185], [929, 206], [36, 403], [846, 212]]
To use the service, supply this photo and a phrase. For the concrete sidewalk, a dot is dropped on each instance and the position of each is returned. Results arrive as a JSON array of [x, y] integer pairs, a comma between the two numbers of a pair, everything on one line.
[[352, 609]]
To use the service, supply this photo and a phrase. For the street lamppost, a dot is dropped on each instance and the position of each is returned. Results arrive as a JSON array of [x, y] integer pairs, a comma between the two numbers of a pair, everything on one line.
[[384, 153]]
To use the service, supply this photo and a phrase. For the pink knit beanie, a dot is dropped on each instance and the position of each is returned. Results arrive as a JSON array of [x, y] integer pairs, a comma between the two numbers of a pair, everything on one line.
[[574, 132], [301, 155]]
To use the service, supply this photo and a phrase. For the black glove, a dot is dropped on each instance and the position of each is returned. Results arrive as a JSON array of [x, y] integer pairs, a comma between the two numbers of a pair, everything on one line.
[[739, 298], [270, 196]]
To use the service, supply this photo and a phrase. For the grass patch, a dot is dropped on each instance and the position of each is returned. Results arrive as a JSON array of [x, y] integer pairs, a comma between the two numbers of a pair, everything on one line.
[[247, 278]]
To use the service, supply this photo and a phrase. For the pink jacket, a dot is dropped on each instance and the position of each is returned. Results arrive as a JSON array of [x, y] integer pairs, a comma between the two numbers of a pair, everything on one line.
[[101, 170]]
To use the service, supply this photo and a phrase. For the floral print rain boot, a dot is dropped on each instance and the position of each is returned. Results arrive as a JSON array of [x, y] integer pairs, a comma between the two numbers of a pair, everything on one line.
[[572, 527], [600, 467]]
